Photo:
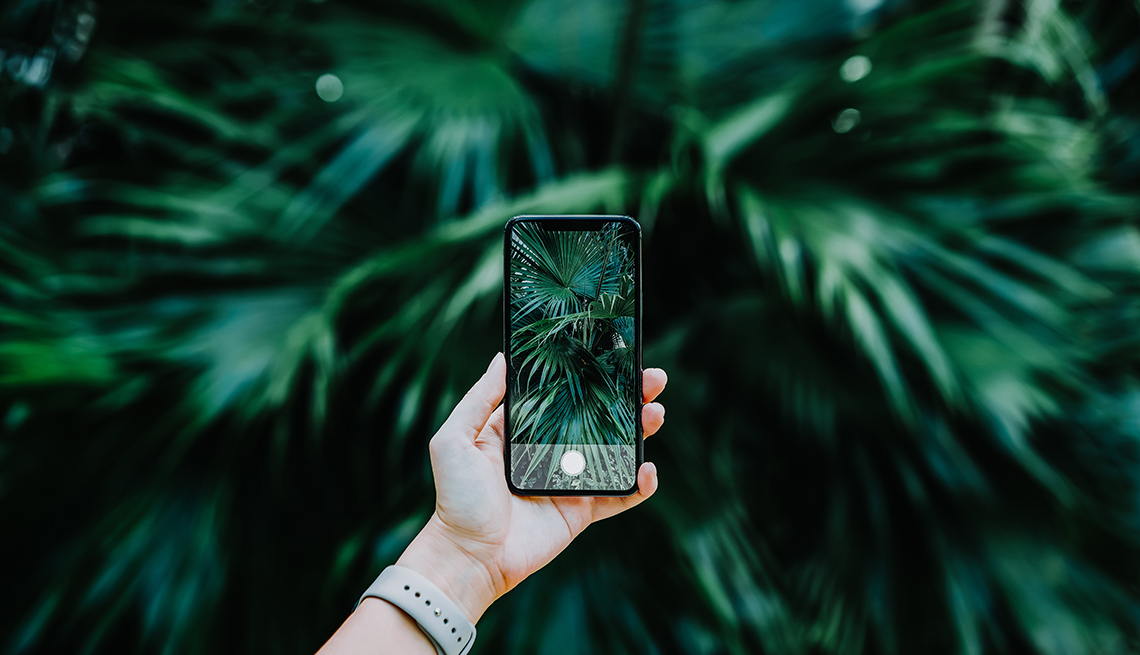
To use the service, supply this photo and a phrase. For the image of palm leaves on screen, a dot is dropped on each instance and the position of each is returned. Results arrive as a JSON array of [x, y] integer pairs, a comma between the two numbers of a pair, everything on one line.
[[572, 336]]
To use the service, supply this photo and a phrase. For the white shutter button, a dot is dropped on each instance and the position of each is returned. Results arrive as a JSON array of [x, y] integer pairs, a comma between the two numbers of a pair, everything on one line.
[[573, 463]]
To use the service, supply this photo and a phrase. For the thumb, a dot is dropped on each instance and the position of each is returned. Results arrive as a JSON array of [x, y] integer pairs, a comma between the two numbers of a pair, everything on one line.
[[472, 412]]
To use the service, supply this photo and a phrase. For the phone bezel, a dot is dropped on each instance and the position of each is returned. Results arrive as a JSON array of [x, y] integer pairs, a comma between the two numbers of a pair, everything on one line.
[[570, 222]]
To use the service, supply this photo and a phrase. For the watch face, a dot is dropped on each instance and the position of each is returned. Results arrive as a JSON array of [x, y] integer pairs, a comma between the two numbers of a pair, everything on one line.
[[573, 377]]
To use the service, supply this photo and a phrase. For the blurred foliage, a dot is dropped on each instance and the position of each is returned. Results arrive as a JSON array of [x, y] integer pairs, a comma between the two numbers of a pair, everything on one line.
[[891, 265]]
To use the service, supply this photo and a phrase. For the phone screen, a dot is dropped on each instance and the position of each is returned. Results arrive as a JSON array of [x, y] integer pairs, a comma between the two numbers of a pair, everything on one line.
[[574, 359]]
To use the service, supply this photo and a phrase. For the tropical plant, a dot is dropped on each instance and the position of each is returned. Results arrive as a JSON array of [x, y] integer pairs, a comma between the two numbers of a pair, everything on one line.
[[251, 257]]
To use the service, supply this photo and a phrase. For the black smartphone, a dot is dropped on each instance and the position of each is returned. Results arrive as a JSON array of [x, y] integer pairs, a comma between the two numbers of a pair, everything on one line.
[[572, 305]]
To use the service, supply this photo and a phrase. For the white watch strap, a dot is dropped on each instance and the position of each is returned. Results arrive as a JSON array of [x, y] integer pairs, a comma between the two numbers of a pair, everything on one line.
[[439, 618]]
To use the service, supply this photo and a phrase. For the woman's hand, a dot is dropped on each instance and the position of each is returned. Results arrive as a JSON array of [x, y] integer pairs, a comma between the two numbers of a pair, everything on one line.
[[482, 540]]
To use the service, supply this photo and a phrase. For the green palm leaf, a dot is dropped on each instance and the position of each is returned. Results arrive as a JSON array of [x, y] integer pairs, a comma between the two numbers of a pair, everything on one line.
[[564, 308]]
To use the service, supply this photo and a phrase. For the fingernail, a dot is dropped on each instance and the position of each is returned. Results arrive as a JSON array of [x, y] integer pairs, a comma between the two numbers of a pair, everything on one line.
[[652, 468], [493, 360]]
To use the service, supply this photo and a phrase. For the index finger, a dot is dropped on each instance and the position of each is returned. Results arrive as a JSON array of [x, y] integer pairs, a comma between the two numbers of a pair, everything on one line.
[[652, 383]]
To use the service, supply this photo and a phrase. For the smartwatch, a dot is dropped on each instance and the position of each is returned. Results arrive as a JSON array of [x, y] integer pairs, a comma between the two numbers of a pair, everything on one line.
[[438, 617]]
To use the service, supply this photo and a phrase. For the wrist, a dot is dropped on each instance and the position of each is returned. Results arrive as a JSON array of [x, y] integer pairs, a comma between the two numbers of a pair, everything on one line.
[[460, 574]]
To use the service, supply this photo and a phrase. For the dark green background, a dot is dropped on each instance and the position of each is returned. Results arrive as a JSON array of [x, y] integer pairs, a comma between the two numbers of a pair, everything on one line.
[[903, 409]]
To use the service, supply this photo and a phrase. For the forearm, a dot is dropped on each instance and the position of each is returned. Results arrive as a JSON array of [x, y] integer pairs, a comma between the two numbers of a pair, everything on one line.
[[378, 626]]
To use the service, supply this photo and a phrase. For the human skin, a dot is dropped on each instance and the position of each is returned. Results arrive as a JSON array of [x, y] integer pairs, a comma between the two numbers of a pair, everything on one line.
[[482, 540]]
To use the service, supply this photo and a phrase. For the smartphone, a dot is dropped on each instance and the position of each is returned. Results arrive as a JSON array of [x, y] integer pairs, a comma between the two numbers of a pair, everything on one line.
[[572, 316]]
